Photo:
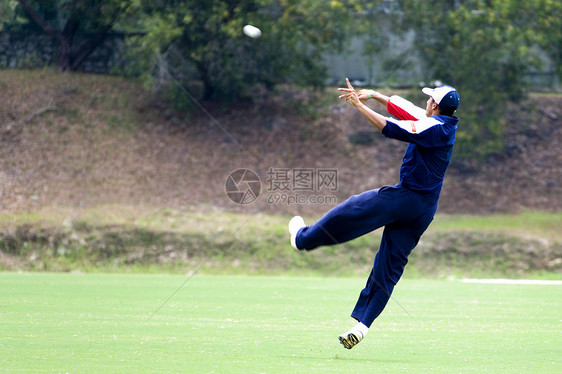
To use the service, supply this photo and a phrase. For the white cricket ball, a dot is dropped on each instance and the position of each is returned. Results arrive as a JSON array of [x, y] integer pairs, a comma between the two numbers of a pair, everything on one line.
[[252, 31]]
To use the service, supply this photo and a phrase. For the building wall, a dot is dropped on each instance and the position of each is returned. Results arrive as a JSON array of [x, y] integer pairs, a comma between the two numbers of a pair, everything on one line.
[[395, 65]]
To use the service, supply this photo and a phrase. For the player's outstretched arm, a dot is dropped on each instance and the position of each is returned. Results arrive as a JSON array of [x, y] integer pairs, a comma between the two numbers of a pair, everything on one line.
[[378, 120], [365, 95]]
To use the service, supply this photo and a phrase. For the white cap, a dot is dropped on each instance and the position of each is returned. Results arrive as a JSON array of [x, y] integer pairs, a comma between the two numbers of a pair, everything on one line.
[[444, 96]]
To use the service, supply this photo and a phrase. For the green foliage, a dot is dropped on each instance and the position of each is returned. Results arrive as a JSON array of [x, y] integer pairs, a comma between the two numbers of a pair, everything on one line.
[[547, 23], [78, 26], [8, 14], [295, 35], [483, 48], [91, 14]]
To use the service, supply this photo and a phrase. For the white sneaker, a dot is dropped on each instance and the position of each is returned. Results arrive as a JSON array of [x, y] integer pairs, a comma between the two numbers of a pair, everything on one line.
[[351, 338], [295, 224]]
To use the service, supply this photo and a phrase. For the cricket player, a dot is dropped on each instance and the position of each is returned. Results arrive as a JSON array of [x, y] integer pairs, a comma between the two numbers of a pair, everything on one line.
[[405, 210]]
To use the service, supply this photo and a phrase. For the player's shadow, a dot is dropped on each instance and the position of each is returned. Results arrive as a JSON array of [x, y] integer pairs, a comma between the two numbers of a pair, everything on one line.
[[343, 357]]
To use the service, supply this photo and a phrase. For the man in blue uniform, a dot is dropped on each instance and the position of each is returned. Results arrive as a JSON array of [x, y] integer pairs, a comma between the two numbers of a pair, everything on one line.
[[405, 210]]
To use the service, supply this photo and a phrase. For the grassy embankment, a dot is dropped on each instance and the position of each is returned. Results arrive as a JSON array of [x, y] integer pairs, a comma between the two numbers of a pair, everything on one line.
[[118, 238]]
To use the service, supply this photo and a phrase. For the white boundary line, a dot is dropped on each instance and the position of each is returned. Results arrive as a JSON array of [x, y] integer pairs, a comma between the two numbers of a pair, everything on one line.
[[513, 281]]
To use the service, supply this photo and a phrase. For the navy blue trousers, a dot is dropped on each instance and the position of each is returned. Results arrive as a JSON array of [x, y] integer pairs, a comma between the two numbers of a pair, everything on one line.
[[405, 215]]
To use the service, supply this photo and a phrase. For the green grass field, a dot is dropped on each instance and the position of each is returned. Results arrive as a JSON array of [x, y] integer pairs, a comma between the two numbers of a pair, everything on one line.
[[92, 323]]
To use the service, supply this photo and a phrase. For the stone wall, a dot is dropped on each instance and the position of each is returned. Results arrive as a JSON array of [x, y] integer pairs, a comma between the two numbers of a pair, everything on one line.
[[27, 50]]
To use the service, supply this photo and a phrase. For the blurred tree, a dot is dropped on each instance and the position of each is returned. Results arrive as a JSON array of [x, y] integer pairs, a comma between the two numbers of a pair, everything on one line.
[[79, 26], [8, 13], [546, 22], [295, 35], [483, 48]]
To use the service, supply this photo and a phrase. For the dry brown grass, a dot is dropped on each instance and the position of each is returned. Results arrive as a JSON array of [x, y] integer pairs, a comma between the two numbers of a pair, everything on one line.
[[75, 140]]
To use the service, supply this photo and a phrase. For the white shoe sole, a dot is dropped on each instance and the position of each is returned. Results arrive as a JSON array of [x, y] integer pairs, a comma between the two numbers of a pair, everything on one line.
[[295, 224]]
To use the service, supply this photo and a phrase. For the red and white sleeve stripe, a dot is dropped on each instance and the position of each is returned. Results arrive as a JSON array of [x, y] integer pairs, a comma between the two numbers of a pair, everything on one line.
[[404, 109]]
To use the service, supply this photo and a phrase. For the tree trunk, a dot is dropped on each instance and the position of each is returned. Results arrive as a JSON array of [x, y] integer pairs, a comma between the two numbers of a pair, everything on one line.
[[86, 48], [68, 58], [208, 86], [63, 58]]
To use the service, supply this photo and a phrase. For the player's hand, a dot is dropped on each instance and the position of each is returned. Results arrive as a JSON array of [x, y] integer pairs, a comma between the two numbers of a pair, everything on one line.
[[350, 94]]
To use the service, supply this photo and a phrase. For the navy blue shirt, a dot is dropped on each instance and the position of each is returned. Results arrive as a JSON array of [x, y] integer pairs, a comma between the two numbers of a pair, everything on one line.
[[429, 152]]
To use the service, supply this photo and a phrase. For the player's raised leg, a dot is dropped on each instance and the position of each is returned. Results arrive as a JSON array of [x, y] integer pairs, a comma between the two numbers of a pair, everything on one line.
[[358, 215]]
